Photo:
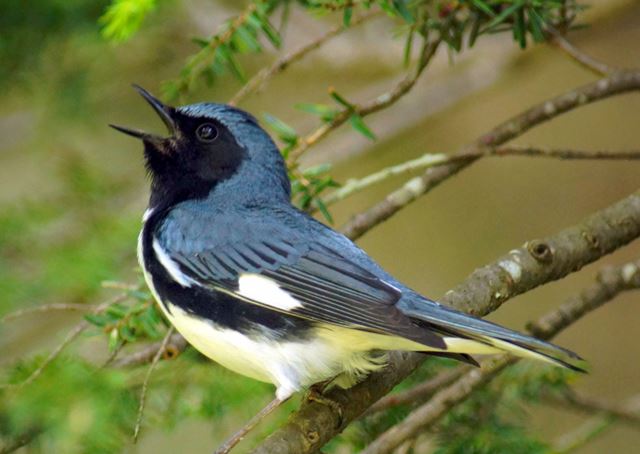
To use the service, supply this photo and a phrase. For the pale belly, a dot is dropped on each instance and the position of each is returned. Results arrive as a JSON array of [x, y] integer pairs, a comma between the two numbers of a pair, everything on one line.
[[289, 365]]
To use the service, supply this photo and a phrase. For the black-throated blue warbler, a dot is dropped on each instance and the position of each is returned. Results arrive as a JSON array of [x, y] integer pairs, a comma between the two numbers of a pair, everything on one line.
[[263, 288]]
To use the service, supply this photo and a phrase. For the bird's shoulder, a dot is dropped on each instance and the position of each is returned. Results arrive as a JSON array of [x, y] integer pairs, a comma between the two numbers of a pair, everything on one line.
[[197, 227]]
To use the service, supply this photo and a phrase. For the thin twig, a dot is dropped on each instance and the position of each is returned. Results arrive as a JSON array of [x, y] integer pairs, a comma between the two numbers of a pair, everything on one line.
[[429, 160], [69, 338], [47, 308], [113, 355], [563, 153], [597, 67], [583, 434], [176, 344], [419, 392], [258, 81], [118, 285], [145, 384], [621, 82], [609, 284], [596, 425], [441, 402], [581, 402], [356, 185], [380, 102]]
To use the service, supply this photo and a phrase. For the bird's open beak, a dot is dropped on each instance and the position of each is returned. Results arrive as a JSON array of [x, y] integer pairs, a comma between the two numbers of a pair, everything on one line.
[[165, 113]]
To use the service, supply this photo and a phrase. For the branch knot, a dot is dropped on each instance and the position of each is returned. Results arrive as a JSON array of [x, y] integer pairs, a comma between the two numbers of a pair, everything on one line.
[[542, 252]]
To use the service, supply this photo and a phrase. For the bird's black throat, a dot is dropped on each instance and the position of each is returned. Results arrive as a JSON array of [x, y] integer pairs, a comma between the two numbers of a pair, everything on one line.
[[182, 169]]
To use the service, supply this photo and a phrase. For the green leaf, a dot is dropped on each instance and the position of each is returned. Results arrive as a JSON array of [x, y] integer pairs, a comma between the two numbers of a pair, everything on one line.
[[149, 328], [408, 46], [202, 42], [270, 32], [284, 131], [482, 6], [476, 22], [246, 41], [316, 170], [128, 334], [520, 30], [536, 25], [96, 319], [322, 208], [116, 310], [387, 8], [346, 16], [340, 99], [327, 113], [254, 21], [227, 55], [507, 12], [359, 125], [401, 7]]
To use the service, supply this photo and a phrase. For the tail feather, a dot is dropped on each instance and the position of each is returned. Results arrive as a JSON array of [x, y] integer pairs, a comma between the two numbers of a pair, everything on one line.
[[464, 333]]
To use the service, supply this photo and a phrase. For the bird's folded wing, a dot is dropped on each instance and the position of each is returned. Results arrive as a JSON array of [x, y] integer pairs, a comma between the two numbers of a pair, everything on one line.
[[303, 279]]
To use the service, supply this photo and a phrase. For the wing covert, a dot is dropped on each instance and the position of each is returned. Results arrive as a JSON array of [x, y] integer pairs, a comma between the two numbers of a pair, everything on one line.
[[328, 287]]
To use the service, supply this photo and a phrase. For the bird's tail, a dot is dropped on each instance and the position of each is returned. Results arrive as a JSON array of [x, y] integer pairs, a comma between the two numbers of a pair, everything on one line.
[[464, 333]]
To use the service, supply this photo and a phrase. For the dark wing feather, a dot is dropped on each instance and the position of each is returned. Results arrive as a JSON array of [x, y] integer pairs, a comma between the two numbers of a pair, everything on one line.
[[330, 288]]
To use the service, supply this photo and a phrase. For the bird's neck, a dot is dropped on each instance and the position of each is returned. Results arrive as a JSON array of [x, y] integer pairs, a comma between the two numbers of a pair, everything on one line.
[[167, 192], [249, 185]]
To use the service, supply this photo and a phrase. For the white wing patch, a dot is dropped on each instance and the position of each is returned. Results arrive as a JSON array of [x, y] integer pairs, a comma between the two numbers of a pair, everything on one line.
[[265, 291], [171, 266]]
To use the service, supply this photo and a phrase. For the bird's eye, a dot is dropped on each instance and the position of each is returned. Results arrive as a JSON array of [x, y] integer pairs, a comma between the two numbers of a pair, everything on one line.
[[207, 132]]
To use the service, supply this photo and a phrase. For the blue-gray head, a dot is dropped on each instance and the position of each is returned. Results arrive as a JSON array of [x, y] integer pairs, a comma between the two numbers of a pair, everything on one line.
[[209, 147]]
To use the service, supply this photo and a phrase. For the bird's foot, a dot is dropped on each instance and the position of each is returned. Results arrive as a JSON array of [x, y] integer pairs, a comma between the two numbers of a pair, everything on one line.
[[315, 395]]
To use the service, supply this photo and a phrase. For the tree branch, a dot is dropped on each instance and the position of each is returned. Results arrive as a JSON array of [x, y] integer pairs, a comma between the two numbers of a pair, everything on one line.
[[582, 435], [71, 307], [199, 62], [380, 102], [589, 404], [597, 67], [563, 153], [537, 263], [145, 384], [609, 284], [69, 338], [419, 392], [596, 425], [429, 160], [175, 345], [616, 84], [257, 81]]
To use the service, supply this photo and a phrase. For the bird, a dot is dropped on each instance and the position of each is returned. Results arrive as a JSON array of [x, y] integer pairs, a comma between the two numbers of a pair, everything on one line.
[[266, 290]]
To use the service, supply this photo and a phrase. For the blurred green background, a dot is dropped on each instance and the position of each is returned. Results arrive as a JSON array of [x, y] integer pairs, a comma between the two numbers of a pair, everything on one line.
[[72, 191]]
